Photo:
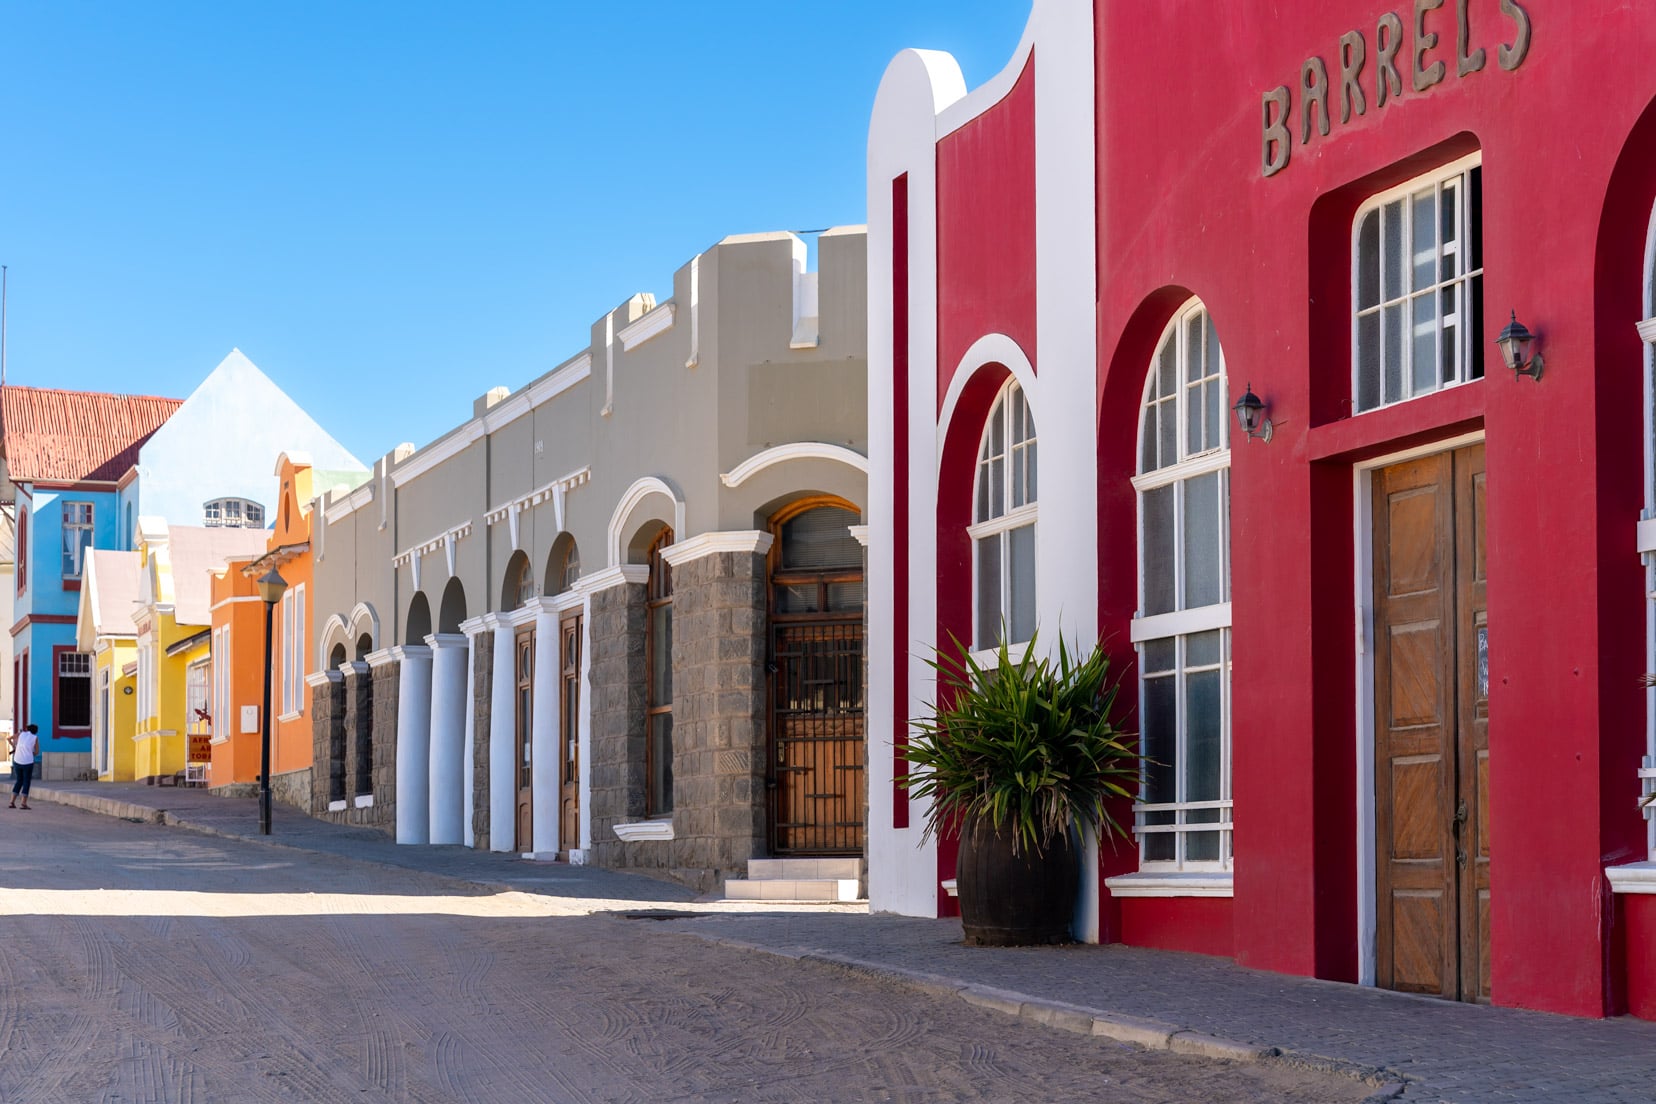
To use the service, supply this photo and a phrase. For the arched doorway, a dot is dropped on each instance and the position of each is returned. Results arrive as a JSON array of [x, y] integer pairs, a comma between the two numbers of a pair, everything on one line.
[[815, 757]]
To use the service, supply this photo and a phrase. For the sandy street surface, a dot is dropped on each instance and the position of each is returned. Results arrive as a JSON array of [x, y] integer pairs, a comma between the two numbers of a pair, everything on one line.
[[141, 963]]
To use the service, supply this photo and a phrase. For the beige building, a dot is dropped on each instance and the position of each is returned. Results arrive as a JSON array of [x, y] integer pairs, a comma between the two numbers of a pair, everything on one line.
[[615, 616]]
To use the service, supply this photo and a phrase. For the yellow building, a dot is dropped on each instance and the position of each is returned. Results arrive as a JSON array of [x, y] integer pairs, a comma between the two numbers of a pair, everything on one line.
[[104, 628], [165, 586]]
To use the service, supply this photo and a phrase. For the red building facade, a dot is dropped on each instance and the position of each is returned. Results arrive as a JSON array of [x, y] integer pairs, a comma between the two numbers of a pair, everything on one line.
[[1388, 659]]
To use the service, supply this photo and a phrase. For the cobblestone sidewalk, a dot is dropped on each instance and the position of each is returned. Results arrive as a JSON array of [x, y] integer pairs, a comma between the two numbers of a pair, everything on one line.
[[1412, 1049]]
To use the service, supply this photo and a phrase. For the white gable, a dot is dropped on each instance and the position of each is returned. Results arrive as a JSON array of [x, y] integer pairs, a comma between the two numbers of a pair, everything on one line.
[[224, 441]]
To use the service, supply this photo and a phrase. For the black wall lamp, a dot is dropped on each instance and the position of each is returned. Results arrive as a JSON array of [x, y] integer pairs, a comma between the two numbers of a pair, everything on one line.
[[1250, 415], [1518, 350]]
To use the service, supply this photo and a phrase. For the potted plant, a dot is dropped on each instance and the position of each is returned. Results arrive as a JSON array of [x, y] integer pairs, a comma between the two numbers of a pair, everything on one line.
[[1016, 755]]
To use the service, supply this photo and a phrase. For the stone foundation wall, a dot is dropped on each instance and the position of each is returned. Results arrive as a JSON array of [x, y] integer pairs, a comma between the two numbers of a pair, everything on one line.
[[327, 744], [615, 637], [483, 647], [719, 686], [346, 734]]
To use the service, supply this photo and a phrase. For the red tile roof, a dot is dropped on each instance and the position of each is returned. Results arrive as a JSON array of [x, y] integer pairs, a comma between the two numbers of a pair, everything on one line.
[[52, 436]]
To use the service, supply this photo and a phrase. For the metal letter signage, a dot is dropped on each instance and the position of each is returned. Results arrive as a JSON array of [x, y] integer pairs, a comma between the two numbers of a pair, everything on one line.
[[1277, 105]]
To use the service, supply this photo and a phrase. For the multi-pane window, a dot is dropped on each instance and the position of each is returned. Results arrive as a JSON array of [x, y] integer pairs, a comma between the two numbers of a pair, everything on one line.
[[74, 690], [233, 513], [195, 698], [658, 690], [569, 571], [1418, 288], [1182, 630], [219, 725], [77, 537], [293, 651], [1003, 523]]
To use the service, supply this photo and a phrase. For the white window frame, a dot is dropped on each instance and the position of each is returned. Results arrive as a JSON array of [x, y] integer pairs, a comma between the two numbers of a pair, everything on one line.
[[85, 527], [1180, 623], [196, 696], [293, 653], [103, 720], [221, 726], [1012, 518], [1469, 342], [247, 514], [1647, 536]]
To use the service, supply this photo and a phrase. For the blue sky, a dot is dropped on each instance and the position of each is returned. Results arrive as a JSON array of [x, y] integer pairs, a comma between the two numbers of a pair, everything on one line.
[[392, 208]]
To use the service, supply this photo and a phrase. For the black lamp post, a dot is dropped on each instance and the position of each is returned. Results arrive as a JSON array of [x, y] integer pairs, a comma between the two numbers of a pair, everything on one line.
[[271, 587]]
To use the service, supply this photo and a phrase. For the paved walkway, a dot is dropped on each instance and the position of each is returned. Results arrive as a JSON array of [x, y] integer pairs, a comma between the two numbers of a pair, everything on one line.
[[1411, 1049]]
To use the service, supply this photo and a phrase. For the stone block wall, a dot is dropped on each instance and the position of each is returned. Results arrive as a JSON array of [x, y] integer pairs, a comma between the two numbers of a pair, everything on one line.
[[386, 678], [719, 686], [615, 638], [482, 703], [327, 744]]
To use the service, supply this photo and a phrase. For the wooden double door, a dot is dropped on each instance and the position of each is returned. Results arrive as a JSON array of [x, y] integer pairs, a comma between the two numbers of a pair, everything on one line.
[[1431, 675]]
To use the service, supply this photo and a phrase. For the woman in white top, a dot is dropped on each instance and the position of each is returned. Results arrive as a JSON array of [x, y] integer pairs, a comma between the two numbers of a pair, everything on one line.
[[25, 746]]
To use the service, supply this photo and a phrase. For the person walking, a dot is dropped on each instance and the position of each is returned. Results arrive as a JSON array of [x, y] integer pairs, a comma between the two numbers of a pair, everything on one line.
[[25, 747]]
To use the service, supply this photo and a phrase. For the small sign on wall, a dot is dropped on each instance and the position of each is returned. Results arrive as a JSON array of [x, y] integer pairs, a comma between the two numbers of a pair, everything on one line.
[[250, 720]]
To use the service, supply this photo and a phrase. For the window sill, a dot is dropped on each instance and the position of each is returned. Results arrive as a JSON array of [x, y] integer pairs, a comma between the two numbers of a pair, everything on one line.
[[643, 830], [1638, 877], [287, 718], [336, 806], [1204, 884], [364, 801], [989, 657]]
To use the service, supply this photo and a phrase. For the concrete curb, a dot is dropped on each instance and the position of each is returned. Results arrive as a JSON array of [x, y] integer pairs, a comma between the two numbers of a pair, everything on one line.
[[103, 806], [1136, 1031]]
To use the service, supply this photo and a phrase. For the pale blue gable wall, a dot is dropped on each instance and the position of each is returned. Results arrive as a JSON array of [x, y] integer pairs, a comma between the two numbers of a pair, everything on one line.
[[224, 441]]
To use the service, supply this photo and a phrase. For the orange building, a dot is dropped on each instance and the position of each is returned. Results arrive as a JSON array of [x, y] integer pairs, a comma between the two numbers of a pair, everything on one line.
[[239, 645]]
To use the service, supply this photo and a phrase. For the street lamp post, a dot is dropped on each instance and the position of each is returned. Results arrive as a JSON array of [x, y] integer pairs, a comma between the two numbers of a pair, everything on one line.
[[271, 587]]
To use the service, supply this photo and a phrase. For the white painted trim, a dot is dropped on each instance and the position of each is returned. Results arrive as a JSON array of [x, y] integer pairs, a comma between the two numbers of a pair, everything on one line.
[[358, 612], [751, 541], [561, 379], [381, 657], [437, 641], [347, 505], [322, 678], [1363, 606], [401, 652], [220, 604], [506, 411], [441, 540], [1181, 622], [695, 312], [322, 637], [445, 448], [286, 718], [991, 349], [657, 321], [1171, 885], [538, 495], [364, 801], [795, 450], [859, 533], [471, 626], [645, 830], [952, 116], [355, 667], [336, 806], [1639, 877], [1647, 535], [1647, 330], [636, 573], [641, 489], [1205, 463]]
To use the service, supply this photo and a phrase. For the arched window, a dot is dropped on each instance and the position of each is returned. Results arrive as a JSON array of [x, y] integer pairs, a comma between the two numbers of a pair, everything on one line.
[[232, 513], [1003, 524], [1182, 630], [658, 689]]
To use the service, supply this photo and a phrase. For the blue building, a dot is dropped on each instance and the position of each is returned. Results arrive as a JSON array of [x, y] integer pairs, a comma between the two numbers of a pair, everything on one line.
[[63, 454]]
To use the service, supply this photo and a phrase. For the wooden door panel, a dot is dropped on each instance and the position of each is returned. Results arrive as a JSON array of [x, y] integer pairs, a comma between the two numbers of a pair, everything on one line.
[[1416, 690], [1432, 726], [1419, 924], [1413, 526]]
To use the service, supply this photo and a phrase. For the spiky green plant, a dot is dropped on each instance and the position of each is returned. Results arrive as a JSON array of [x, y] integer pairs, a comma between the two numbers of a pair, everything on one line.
[[1028, 742]]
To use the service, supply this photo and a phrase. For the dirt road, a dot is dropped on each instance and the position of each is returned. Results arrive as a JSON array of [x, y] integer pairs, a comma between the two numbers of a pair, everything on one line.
[[143, 963]]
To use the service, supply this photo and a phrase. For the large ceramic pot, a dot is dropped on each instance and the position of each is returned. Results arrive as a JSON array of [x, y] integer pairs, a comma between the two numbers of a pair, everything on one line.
[[1021, 900]]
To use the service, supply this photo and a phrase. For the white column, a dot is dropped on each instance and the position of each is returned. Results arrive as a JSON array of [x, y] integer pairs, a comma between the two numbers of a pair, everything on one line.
[[448, 729], [413, 743], [502, 749], [468, 747], [548, 793]]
